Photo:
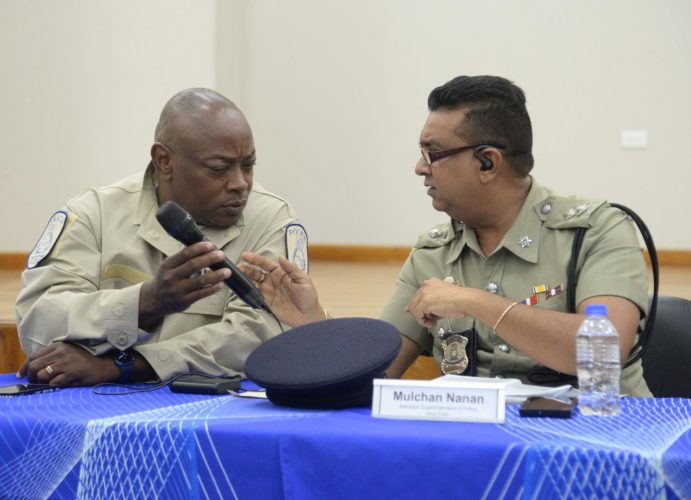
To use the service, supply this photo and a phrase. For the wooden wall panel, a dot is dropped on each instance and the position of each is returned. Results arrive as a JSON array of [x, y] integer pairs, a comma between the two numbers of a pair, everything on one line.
[[11, 355]]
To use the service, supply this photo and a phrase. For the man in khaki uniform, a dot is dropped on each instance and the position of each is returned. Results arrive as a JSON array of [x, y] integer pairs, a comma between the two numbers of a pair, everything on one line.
[[500, 263], [109, 296]]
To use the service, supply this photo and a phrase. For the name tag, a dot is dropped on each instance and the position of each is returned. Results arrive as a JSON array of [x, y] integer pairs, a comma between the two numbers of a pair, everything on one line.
[[460, 401]]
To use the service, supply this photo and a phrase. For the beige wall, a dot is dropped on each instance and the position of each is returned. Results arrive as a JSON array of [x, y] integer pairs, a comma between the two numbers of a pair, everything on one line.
[[336, 94], [81, 85]]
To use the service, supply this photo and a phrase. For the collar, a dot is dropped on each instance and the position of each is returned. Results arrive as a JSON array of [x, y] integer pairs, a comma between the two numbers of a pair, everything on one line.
[[151, 231], [459, 243], [523, 237]]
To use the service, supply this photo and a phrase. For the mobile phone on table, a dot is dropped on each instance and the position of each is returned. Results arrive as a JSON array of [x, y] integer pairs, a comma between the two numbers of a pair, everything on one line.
[[21, 389], [201, 384], [546, 407]]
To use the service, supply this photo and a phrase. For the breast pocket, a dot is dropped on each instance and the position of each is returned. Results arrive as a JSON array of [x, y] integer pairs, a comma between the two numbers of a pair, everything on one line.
[[556, 303], [214, 305]]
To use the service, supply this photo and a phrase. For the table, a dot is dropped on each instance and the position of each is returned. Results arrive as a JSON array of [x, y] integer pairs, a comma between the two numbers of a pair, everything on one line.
[[72, 443]]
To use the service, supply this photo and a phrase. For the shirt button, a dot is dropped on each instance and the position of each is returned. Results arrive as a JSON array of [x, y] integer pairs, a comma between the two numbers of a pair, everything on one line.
[[119, 311], [504, 348], [122, 340]]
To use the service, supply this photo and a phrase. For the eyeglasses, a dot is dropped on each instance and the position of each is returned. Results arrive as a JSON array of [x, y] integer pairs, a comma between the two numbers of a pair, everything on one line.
[[432, 156]]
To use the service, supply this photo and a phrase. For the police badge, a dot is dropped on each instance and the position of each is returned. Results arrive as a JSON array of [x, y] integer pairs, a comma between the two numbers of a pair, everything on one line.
[[459, 352]]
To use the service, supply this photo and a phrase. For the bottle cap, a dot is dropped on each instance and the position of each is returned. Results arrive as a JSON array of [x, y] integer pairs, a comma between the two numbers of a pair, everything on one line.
[[596, 310]]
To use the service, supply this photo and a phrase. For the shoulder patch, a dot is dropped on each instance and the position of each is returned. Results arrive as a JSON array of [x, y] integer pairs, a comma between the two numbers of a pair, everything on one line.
[[296, 246], [47, 241]]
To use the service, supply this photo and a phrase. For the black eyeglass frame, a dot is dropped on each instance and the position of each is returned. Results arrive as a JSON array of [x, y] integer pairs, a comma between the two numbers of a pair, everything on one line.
[[432, 156]]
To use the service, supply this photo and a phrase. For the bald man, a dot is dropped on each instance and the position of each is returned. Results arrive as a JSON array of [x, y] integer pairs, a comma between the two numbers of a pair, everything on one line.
[[109, 296]]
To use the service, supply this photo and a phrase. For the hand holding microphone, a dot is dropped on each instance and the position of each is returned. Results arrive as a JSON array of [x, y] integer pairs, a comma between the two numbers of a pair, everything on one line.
[[178, 284], [180, 225]]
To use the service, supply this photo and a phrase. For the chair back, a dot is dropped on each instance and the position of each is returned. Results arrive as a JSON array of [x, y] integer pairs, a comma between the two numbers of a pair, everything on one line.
[[667, 356]]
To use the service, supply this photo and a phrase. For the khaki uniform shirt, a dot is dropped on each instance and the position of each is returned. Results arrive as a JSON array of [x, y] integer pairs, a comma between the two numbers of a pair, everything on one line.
[[536, 250], [86, 290]]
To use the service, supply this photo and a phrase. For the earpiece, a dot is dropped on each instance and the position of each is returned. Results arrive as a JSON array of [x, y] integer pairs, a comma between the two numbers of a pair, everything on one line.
[[485, 163]]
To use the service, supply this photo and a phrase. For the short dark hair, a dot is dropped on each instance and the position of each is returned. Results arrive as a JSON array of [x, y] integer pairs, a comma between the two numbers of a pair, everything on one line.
[[496, 113]]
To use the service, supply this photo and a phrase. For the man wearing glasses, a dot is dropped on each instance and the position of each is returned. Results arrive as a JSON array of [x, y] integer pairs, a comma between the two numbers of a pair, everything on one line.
[[484, 292], [109, 296]]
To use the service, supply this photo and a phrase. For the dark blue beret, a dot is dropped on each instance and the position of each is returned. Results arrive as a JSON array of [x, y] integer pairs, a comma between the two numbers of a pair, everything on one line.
[[327, 364]]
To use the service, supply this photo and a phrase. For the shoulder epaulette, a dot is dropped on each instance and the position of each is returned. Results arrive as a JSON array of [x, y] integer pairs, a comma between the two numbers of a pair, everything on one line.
[[568, 212], [437, 236]]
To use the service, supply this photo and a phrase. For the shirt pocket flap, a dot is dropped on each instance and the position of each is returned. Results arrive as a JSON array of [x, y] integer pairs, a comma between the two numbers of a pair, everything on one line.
[[213, 305]]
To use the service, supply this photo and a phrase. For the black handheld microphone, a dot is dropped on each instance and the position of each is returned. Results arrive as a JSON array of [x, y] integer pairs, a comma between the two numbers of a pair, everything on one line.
[[180, 225]]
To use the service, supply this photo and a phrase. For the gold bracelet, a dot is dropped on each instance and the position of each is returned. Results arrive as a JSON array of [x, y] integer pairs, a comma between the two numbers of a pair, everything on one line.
[[506, 311]]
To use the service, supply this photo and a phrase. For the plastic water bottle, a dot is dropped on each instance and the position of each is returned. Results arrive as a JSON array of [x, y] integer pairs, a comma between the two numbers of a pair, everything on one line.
[[598, 363]]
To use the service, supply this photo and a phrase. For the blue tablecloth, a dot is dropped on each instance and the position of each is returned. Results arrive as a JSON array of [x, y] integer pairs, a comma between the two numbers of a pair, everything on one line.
[[72, 443]]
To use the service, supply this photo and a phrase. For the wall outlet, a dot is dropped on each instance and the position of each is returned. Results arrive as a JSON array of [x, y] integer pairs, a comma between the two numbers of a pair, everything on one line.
[[634, 139]]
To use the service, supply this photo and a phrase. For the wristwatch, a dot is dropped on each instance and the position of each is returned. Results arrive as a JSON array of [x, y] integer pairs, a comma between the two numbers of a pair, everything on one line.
[[125, 361]]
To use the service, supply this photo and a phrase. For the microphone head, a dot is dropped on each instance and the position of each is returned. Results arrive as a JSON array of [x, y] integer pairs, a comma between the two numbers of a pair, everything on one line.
[[179, 223]]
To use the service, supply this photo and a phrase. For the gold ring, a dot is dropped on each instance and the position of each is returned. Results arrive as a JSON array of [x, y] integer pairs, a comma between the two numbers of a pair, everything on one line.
[[264, 273], [49, 370]]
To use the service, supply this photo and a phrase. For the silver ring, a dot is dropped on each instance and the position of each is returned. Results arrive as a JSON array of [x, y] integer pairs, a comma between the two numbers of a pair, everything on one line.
[[264, 273], [49, 370]]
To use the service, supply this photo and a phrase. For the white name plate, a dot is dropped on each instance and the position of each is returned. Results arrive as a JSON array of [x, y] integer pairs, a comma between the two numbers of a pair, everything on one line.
[[461, 401]]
